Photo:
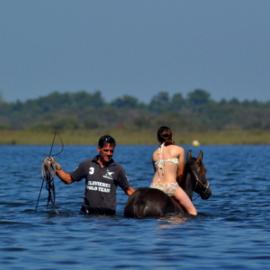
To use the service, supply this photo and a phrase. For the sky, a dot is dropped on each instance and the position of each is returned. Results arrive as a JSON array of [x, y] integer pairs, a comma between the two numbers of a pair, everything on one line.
[[137, 48]]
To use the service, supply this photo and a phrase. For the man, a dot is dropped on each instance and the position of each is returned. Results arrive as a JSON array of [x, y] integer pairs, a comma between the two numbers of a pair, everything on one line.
[[102, 176]]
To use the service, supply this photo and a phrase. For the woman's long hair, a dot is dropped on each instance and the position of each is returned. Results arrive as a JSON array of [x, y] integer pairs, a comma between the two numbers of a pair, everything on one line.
[[164, 135]]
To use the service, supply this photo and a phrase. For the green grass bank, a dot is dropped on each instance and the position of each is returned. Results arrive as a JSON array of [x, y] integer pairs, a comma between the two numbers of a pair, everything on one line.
[[125, 136]]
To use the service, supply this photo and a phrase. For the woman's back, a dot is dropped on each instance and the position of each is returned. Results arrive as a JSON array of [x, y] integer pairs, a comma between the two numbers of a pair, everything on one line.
[[168, 160]]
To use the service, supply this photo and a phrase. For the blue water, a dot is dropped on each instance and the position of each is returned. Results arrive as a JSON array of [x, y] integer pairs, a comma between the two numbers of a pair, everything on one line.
[[231, 232]]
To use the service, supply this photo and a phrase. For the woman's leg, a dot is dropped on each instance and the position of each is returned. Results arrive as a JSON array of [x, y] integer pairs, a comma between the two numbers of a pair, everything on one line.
[[185, 201]]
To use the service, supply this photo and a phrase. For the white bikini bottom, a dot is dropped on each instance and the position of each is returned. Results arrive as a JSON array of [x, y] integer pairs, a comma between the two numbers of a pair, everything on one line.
[[167, 188]]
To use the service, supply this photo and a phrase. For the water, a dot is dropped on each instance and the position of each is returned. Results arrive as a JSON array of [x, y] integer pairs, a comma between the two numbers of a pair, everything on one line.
[[231, 231]]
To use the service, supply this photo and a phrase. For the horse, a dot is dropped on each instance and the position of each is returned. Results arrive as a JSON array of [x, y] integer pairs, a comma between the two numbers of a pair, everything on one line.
[[152, 202]]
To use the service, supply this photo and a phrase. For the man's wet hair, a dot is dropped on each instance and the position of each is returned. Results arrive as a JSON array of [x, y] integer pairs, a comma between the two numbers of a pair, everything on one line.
[[106, 139]]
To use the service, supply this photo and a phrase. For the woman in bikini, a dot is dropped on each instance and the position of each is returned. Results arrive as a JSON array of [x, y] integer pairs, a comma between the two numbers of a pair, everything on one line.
[[169, 161]]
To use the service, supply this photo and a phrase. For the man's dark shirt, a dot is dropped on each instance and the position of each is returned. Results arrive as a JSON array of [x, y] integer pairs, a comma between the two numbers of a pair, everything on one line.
[[100, 185]]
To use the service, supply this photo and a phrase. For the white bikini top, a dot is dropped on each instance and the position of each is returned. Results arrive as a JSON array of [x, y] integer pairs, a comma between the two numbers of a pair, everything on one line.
[[160, 162]]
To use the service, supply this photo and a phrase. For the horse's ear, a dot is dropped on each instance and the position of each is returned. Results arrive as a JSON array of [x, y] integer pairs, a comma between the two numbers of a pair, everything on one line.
[[200, 156], [189, 155]]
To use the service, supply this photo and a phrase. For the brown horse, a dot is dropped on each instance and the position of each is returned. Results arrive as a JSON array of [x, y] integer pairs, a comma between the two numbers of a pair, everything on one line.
[[152, 202]]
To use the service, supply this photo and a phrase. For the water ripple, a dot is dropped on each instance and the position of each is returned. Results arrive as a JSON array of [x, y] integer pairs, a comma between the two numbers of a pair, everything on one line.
[[231, 231]]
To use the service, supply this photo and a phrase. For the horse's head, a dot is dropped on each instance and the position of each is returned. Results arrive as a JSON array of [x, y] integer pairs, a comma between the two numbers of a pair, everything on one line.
[[197, 172]]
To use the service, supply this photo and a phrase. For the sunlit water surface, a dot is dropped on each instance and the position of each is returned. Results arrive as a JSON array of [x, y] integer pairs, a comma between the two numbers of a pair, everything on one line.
[[231, 232]]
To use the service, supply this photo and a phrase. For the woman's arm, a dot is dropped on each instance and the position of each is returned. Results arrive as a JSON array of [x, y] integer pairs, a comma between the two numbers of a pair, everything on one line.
[[181, 165]]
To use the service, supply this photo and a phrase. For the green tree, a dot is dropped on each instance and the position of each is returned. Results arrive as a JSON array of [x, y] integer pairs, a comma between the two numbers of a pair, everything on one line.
[[177, 102], [198, 97], [160, 102], [125, 102]]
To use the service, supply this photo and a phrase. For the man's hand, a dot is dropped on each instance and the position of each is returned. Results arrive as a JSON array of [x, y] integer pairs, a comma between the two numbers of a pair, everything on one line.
[[51, 162]]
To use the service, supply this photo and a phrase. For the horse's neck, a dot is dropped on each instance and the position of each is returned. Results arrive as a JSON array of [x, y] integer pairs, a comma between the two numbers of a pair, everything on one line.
[[186, 182]]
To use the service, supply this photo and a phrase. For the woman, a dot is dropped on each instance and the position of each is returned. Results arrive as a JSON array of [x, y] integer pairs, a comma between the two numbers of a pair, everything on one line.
[[169, 161]]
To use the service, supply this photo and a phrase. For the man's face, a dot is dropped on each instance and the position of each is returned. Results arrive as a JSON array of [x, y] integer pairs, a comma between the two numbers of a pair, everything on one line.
[[106, 153]]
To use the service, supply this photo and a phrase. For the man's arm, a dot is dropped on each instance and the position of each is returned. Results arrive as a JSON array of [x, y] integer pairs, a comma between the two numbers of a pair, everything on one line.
[[65, 177], [129, 191], [62, 175]]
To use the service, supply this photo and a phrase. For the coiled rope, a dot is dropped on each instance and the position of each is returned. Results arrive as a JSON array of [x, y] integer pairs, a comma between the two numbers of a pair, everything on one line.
[[48, 172]]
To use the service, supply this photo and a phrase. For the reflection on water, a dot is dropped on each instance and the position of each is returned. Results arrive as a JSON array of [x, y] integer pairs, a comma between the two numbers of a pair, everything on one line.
[[230, 232], [170, 221]]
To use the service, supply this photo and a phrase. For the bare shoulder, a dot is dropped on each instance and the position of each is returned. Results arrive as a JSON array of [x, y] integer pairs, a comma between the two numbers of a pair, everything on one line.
[[179, 150], [155, 154]]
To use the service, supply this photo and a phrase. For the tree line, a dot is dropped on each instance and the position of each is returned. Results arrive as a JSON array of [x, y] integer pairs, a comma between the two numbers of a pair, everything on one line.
[[196, 111]]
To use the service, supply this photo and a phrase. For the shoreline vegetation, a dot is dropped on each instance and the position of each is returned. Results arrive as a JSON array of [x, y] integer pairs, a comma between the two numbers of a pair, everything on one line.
[[81, 117], [126, 136]]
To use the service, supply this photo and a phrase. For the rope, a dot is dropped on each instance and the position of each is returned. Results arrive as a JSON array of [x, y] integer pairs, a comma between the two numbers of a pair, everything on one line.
[[47, 175], [48, 172]]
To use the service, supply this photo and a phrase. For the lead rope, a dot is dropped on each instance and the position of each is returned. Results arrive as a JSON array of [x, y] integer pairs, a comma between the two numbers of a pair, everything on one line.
[[47, 176], [48, 172]]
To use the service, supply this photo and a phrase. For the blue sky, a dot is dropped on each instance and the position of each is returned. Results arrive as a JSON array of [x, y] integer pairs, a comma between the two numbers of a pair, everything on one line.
[[136, 48]]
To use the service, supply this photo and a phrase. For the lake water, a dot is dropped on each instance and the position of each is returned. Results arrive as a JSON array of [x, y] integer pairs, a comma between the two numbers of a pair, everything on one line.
[[231, 231]]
